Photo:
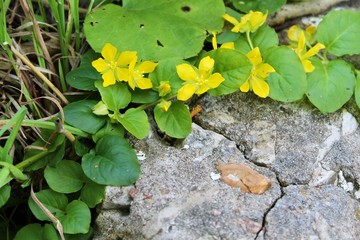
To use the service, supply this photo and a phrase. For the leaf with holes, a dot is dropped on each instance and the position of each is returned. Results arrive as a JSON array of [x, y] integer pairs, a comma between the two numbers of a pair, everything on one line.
[[112, 162], [331, 85], [339, 31], [258, 5], [155, 29]]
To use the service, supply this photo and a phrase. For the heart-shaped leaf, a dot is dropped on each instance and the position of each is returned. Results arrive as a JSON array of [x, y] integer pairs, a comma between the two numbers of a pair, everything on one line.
[[136, 122], [112, 162], [37, 232], [76, 218]]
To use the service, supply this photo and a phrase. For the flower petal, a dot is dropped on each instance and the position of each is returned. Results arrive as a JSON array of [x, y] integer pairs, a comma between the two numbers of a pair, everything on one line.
[[203, 88], [100, 65], [109, 78], [109, 52], [123, 74], [308, 67], [294, 33], [206, 66], [260, 87], [256, 19], [263, 70], [146, 67], [314, 50], [186, 72], [126, 57], [143, 83], [215, 80], [186, 92], [214, 41], [254, 56], [301, 44], [245, 87], [230, 19], [229, 45]]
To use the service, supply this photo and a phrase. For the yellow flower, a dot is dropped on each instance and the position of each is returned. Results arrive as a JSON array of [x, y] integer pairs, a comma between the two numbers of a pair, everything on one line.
[[134, 74], [303, 54], [111, 64], [164, 105], [197, 81], [164, 88], [248, 23], [229, 45], [260, 71], [294, 34]]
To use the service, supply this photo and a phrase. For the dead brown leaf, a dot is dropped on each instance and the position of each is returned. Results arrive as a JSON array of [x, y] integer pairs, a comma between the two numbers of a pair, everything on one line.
[[240, 175]]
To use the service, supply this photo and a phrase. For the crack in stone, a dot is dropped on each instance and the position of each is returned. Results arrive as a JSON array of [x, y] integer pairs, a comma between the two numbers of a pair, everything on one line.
[[263, 228]]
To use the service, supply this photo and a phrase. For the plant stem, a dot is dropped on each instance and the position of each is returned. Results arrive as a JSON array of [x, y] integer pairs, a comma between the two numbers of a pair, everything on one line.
[[249, 39], [31, 160]]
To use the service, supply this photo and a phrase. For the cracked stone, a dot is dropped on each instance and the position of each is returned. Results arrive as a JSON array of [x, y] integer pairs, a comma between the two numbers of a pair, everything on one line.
[[325, 212]]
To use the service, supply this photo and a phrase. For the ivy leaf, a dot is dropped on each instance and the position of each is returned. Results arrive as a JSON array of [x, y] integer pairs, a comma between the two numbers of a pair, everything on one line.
[[136, 122], [259, 5], [339, 31], [79, 114], [76, 218], [264, 38], [176, 122], [55, 202], [143, 26], [92, 193], [233, 66], [331, 85], [66, 177], [35, 231], [115, 96], [112, 162], [288, 83]]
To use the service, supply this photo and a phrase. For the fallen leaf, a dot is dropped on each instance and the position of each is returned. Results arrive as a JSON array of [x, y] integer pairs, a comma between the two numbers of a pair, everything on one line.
[[240, 175]]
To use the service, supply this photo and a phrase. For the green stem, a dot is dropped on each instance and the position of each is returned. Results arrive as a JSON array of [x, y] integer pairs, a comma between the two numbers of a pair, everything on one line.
[[249, 39], [48, 125], [31, 160], [147, 105]]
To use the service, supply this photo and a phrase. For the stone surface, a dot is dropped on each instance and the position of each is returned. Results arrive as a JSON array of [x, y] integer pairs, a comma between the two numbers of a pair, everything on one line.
[[304, 212], [177, 198]]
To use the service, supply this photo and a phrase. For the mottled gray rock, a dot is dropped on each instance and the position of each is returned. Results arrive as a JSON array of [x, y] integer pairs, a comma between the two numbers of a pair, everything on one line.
[[177, 198], [292, 139], [304, 212]]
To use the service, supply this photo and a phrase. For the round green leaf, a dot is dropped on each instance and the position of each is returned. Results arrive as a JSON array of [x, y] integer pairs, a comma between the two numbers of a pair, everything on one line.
[[115, 96], [258, 5], [113, 162], [166, 71], [144, 25], [66, 177], [4, 194], [331, 85], [76, 218], [357, 90], [144, 96], [92, 193], [55, 202], [136, 122], [233, 66], [79, 114], [109, 129], [176, 122], [339, 31], [37, 232], [288, 83], [264, 38]]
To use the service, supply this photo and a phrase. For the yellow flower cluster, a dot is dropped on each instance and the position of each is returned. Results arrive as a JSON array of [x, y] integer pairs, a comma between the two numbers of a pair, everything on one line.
[[248, 23]]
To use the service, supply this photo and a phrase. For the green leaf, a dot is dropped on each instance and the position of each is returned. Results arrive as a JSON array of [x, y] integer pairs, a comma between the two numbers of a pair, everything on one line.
[[55, 202], [83, 146], [77, 218], [264, 38], [4, 194], [144, 96], [92, 193], [15, 172], [109, 129], [331, 85], [144, 25], [87, 236], [85, 75], [176, 122], [79, 114], [66, 177], [115, 96], [258, 5], [35, 231], [339, 31], [233, 66], [112, 162], [4, 176], [357, 90], [288, 83], [136, 122], [166, 71]]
